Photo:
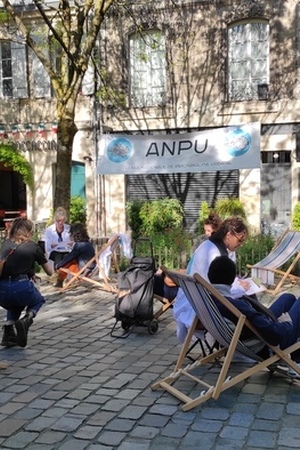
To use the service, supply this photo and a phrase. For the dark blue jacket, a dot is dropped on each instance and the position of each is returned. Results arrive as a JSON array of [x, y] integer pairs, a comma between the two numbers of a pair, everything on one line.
[[81, 252], [272, 331]]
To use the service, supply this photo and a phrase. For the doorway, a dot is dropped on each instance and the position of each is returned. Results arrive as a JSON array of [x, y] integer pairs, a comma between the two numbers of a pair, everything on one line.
[[276, 191]]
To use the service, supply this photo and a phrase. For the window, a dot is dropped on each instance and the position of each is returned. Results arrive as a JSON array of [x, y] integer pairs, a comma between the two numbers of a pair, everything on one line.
[[147, 69], [7, 86], [13, 76], [248, 61], [276, 157]]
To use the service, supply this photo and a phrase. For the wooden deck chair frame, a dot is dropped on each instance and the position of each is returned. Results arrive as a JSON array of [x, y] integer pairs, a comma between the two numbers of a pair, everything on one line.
[[166, 304], [84, 274], [287, 247], [200, 295]]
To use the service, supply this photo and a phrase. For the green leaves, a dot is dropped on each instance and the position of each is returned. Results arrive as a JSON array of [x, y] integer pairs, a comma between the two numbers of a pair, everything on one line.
[[12, 158]]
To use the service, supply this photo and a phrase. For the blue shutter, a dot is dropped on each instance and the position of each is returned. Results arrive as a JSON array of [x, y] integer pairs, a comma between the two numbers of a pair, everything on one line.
[[78, 180]]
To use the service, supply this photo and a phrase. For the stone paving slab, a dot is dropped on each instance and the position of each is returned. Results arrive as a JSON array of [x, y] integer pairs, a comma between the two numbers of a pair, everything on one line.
[[75, 387]]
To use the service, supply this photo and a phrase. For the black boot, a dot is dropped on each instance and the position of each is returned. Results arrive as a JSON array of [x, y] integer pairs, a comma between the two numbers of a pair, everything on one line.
[[9, 338], [22, 326], [59, 284]]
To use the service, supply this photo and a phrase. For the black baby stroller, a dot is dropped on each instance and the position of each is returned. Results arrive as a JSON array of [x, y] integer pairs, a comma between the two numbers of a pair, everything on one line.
[[134, 302]]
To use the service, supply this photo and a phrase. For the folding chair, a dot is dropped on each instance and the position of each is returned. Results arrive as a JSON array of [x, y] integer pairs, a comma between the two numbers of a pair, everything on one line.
[[268, 269], [201, 296], [102, 264]]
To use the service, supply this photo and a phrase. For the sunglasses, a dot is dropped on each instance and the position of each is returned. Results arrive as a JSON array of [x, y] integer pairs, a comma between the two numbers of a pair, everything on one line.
[[241, 240]]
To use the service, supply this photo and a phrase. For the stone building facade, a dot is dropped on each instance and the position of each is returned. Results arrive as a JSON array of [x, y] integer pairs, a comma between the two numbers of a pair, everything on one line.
[[168, 67], [180, 66]]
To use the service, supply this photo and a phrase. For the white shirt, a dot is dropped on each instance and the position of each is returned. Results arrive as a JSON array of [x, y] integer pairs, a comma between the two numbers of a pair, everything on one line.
[[51, 237], [199, 263]]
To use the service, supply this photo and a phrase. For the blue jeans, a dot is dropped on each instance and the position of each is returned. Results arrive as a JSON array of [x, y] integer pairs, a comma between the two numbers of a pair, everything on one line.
[[15, 296], [288, 303]]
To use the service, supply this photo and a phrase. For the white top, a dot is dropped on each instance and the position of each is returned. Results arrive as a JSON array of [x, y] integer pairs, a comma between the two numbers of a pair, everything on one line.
[[51, 237], [199, 263]]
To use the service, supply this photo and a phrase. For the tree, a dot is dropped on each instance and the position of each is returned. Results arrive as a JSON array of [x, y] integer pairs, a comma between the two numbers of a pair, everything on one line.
[[63, 38]]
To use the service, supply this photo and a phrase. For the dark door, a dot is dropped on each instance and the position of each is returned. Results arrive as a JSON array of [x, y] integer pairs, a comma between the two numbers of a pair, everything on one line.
[[276, 196]]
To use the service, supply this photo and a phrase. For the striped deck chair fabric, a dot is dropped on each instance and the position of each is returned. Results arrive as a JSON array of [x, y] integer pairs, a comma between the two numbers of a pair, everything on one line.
[[211, 384], [268, 268]]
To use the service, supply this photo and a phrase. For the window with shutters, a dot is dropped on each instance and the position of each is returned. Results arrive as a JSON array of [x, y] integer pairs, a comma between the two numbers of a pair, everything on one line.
[[248, 61], [13, 70], [147, 69], [41, 80]]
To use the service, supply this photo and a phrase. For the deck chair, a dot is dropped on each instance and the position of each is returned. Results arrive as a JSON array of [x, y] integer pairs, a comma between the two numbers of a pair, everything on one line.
[[269, 270], [212, 383], [99, 276]]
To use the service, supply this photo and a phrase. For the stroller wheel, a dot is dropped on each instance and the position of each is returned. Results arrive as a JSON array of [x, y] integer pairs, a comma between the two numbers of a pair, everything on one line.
[[125, 325], [153, 326]]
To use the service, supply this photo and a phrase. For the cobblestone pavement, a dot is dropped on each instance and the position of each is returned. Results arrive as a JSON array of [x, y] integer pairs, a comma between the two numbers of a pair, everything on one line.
[[75, 387]]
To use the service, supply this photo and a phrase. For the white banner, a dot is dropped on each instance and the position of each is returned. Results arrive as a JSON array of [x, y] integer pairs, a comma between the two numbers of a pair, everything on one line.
[[225, 148]]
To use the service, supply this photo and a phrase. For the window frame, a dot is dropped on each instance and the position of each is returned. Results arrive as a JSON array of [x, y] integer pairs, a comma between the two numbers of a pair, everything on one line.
[[18, 63], [252, 89], [147, 84]]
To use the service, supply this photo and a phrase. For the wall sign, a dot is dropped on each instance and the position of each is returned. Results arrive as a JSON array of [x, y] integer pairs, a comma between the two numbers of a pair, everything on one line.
[[225, 148]]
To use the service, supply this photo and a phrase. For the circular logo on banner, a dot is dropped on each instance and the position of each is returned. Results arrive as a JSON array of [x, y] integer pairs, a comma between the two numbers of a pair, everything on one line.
[[238, 142], [119, 150]]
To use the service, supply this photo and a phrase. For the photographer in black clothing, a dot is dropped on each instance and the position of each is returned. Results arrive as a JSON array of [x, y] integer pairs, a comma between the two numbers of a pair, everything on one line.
[[17, 288]]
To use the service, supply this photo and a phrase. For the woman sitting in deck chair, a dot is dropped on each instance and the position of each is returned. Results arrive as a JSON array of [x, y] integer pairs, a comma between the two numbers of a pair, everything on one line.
[[82, 251], [231, 234]]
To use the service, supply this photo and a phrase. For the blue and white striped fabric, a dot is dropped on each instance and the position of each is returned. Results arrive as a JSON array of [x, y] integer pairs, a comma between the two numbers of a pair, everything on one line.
[[282, 253]]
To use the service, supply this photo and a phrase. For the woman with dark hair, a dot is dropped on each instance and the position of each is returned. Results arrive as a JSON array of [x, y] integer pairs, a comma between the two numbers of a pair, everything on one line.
[[163, 285], [211, 224], [17, 289], [231, 234], [82, 251]]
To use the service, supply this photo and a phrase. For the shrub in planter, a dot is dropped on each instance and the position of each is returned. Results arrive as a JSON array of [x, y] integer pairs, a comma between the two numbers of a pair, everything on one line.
[[254, 249], [203, 214], [172, 248], [77, 210], [227, 207], [134, 220], [160, 215], [296, 217]]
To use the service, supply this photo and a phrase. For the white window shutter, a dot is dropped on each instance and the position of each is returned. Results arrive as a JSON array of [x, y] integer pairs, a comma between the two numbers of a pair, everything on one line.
[[19, 70], [88, 82], [41, 80]]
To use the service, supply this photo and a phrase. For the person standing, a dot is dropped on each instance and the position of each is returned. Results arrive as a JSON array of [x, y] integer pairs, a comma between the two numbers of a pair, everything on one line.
[[17, 287]]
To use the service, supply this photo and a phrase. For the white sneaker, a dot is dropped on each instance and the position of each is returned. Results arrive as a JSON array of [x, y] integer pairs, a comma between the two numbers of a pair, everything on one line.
[[292, 373]]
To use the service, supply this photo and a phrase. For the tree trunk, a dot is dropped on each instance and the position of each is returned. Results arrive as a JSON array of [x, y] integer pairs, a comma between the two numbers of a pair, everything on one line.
[[65, 137]]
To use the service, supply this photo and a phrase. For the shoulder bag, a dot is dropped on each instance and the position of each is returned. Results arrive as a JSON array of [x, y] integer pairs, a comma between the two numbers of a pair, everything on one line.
[[3, 260]]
